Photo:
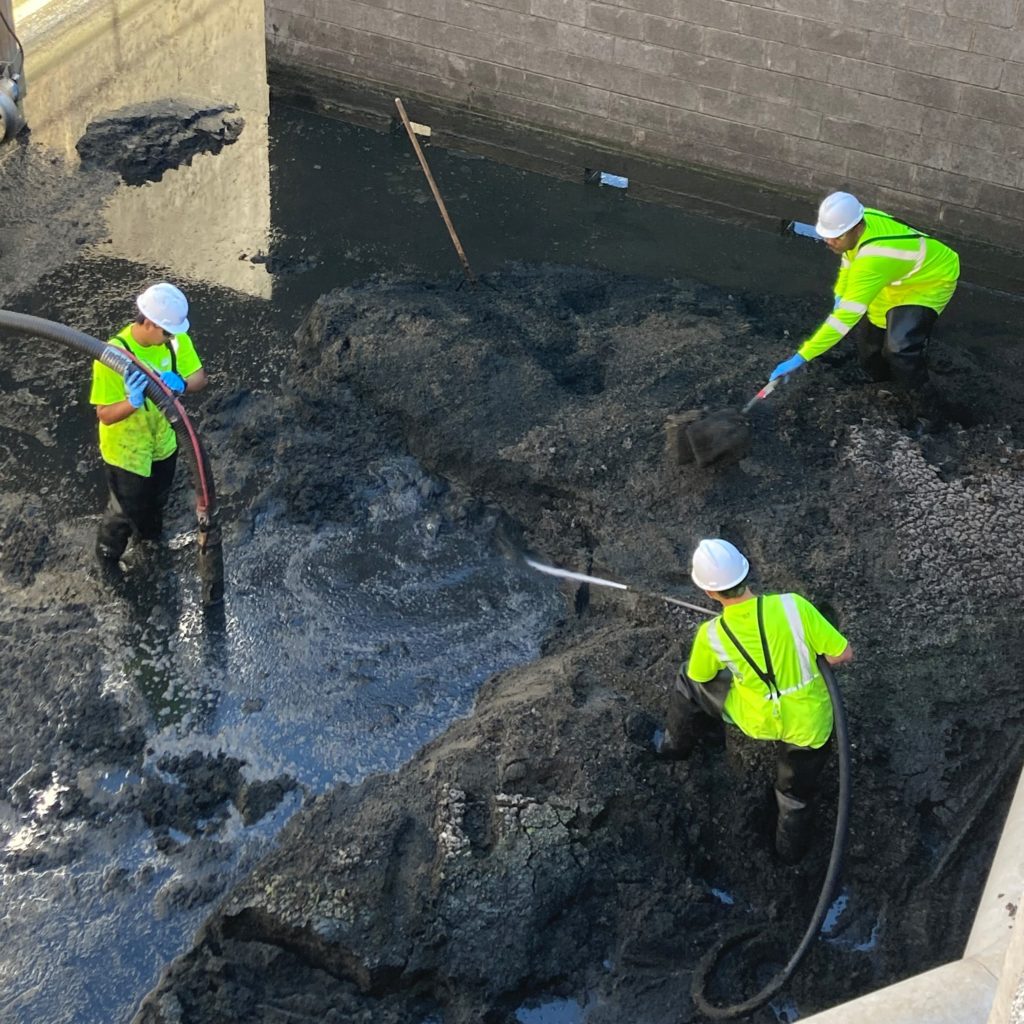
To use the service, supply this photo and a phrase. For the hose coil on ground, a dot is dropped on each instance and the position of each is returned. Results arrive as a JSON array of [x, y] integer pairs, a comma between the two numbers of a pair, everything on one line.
[[708, 963]]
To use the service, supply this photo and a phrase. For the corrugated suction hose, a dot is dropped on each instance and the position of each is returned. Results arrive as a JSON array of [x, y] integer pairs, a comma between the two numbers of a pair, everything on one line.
[[210, 554]]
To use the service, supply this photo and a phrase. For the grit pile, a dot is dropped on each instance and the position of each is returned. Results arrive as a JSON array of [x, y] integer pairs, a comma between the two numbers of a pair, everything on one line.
[[538, 850]]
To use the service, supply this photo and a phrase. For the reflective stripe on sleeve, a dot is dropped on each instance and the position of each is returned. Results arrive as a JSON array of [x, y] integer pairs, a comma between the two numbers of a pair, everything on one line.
[[716, 645], [853, 307], [890, 253], [838, 326], [796, 627]]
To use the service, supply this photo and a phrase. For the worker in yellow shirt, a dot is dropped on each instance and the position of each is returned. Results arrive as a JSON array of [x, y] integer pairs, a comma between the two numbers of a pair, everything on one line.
[[138, 445], [754, 666], [893, 283]]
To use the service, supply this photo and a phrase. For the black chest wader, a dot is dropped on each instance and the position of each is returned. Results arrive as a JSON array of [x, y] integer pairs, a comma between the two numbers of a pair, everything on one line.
[[135, 506], [796, 768], [709, 962], [899, 352]]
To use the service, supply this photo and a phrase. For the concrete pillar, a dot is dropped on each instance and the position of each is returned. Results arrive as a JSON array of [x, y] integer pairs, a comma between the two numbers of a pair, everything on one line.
[[8, 48], [208, 212], [12, 120]]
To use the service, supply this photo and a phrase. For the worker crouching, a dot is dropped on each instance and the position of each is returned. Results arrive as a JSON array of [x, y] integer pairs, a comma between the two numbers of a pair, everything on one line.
[[893, 283], [754, 666]]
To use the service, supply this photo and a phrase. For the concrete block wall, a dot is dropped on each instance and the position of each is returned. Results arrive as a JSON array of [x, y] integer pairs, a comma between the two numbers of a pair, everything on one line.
[[916, 105]]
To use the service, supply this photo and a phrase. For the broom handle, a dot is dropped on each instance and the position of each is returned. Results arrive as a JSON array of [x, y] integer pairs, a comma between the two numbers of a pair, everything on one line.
[[437, 194]]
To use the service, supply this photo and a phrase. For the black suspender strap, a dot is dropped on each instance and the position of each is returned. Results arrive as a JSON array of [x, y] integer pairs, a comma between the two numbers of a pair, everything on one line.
[[914, 232], [891, 238], [764, 642], [767, 676], [168, 345]]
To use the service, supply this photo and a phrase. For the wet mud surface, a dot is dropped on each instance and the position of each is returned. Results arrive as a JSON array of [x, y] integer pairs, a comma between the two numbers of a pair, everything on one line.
[[142, 143], [151, 750], [401, 779], [537, 851], [150, 753]]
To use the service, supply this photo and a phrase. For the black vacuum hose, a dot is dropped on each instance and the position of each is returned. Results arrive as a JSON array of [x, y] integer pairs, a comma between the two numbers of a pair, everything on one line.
[[210, 555], [828, 888]]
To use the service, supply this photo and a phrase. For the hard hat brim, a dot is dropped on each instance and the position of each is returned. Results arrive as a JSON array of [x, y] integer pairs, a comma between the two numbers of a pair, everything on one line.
[[718, 588], [832, 233], [181, 328]]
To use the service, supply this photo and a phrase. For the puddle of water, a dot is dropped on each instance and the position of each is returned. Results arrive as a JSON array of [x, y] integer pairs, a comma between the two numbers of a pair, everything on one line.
[[785, 1012], [104, 787], [835, 911], [357, 646], [848, 929], [558, 1011], [871, 942], [83, 941]]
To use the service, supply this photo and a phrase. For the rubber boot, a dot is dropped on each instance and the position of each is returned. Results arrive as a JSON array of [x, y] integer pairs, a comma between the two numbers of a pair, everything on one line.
[[793, 829], [108, 553], [676, 743], [929, 409], [113, 533], [108, 565], [870, 342]]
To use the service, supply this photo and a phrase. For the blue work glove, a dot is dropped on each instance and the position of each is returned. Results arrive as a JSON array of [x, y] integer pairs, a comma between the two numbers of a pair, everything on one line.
[[135, 388], [174, 381], [791, 364], [835, 305]]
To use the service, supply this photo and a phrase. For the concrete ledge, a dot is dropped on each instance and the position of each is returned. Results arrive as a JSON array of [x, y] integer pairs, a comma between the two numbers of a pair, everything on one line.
[[987, 983], [957, 993], [560, 154], [726, 196]]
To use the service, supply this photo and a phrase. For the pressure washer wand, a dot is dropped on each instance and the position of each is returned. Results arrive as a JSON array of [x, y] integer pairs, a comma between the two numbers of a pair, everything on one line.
[[763, 393], [552, 570]]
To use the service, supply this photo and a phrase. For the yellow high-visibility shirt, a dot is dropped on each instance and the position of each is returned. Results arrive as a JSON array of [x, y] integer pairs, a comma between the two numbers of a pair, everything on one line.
[[800, 712], [145, 437], [892, 265]]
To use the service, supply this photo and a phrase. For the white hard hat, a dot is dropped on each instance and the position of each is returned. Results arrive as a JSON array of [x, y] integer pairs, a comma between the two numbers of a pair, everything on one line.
[[837, 214], [718, 565], [166, 306]]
